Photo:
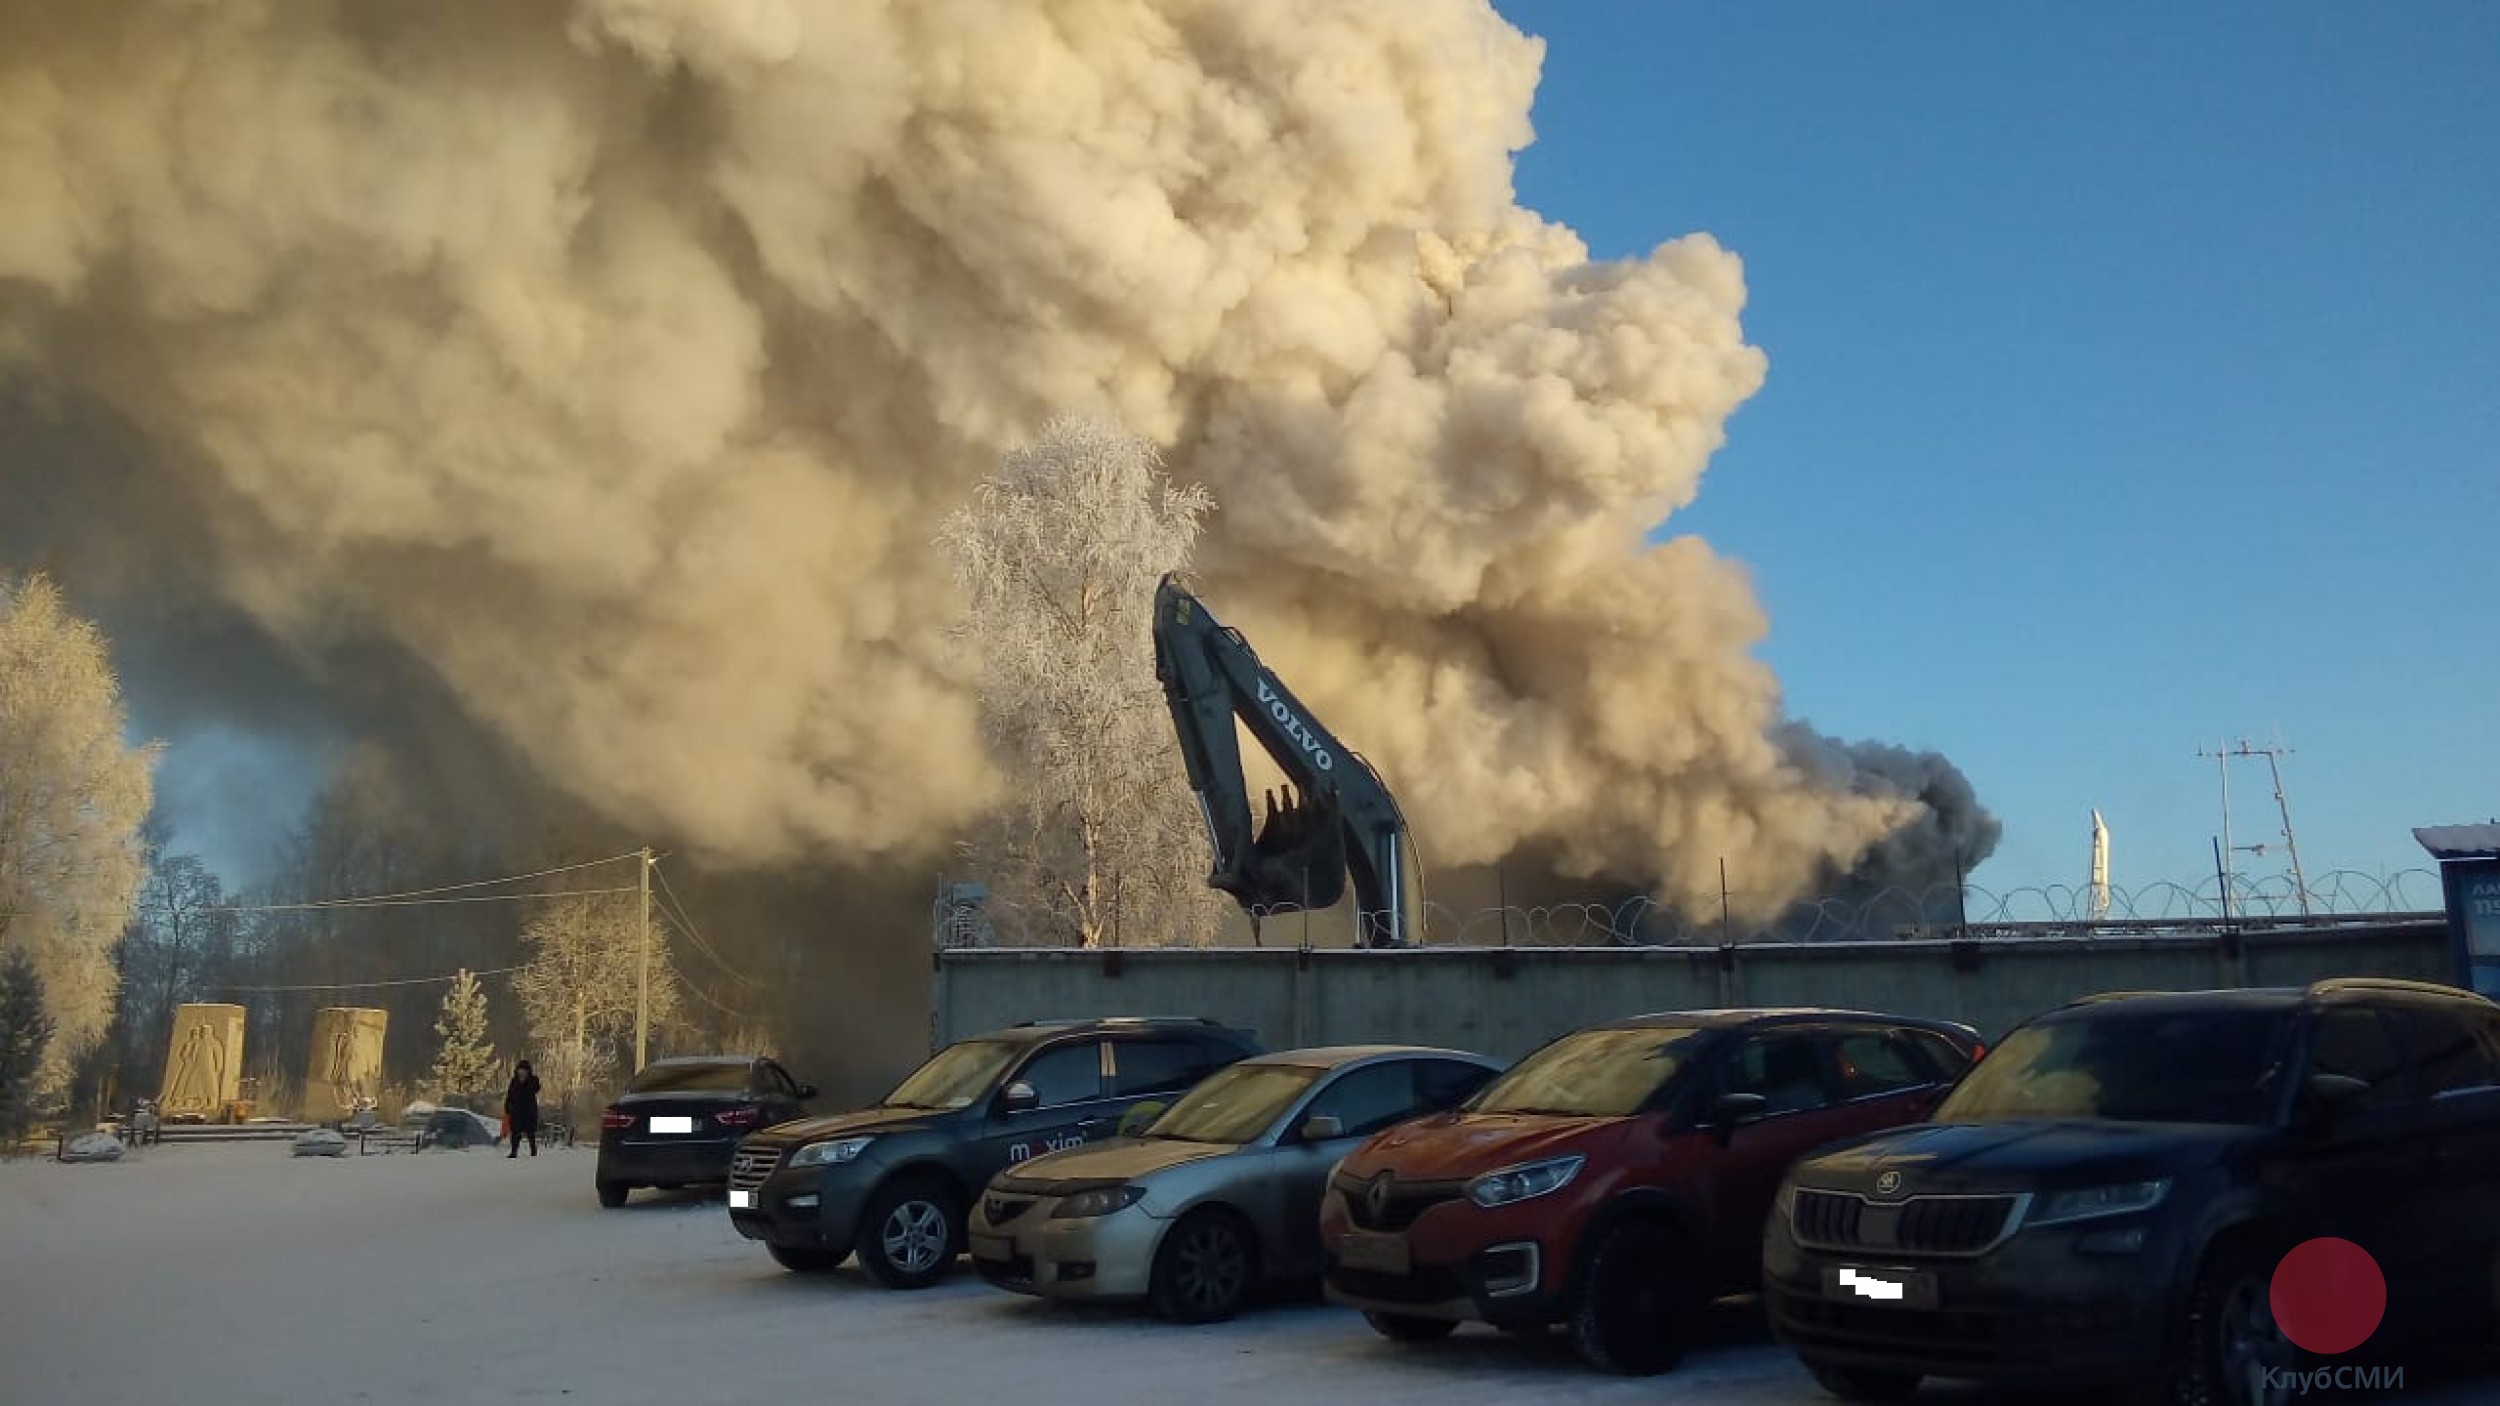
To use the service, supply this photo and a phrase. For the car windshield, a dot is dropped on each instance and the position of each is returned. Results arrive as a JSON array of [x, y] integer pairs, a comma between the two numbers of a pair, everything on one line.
[[1592, 1074], [954, 1076], [1234, 1104], [2151, 1066], [691, 1079]]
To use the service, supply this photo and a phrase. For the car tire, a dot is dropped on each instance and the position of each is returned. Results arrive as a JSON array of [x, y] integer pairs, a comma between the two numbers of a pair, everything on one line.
[[1407, 1328], [1633, 1314], [612, 1194], [807, 1259], [1864, 1383], [1206, 1268], [910, 1235], [2230, 1324]]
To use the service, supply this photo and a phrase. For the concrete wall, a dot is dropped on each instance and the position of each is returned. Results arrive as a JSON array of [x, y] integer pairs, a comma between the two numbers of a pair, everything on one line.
[[1507, 1001]]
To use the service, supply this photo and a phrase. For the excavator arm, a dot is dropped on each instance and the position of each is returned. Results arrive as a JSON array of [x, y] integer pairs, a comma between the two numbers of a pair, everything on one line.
[[1335, 818]]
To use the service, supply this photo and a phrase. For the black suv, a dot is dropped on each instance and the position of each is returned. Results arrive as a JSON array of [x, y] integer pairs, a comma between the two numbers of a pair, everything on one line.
[[2103, 1201], [893, 1182]]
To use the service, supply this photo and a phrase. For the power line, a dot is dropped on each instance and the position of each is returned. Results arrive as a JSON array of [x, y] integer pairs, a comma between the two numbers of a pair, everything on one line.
[[349, 905], [685, 924], [365, 985], [412, 895]]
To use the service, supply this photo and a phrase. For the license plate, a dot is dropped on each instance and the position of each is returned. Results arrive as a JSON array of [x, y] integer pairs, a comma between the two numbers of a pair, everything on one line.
[[742, 1200], [668, 1123], [991, 1247], [1881, 1286], [1381, 1254]]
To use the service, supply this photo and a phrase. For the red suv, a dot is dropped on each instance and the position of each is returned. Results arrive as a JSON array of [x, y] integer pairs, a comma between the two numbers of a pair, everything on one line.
[[1618, 1179]]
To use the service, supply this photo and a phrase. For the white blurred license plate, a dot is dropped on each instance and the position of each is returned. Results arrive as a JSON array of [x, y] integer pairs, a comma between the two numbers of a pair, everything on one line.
[[1882, 1285], [672, 1123], [1382, 1254], [742, 1200]]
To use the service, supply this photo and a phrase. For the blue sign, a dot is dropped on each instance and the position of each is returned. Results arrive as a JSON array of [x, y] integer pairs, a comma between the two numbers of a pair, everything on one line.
[[2474, 922]]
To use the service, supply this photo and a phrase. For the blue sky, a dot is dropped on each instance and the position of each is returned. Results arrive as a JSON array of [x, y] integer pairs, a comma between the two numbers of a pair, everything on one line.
[[2135, 385]]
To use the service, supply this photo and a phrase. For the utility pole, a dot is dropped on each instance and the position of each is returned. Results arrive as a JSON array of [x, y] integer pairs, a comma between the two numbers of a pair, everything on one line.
[[642, 992]]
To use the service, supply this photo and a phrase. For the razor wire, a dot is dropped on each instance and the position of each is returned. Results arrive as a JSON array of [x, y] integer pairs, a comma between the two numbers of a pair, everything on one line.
[[966, 916]]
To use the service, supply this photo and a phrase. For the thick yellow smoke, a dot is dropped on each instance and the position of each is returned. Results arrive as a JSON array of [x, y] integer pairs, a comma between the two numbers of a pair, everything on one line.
[[618, 359]]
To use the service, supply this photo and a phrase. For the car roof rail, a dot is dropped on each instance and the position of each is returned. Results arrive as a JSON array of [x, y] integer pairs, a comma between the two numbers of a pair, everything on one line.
[[2329, 985], [1063, 1021]]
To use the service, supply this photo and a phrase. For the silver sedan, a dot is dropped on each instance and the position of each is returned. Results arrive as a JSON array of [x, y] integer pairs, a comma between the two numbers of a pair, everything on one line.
[[1217, 1196]]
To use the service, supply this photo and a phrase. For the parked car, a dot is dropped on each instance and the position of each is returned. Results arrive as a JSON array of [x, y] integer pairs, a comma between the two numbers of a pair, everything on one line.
[[1617, 1179], [1220, 1194], [892, 1183], [2104, 1201], [679, 1120]]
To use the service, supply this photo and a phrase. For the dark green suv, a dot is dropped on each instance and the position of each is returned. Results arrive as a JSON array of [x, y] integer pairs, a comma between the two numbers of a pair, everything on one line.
[[892, 1183]]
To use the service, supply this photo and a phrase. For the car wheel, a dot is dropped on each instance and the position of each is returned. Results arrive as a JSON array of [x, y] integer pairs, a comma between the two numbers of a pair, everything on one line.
[[1205, 1268], [612, 1194], [910, 1235], [1407, 1328], [2234, 1353], [806, 1259], [1633, 1314], [1864, 1383]]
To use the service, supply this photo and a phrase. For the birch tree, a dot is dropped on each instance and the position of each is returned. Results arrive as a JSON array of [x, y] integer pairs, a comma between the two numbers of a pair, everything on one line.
[[1058, 555], [578, 992], [466, 1062], [73, 795]]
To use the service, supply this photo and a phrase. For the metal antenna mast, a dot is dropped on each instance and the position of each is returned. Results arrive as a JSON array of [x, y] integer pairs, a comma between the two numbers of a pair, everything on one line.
[[2283, 805]]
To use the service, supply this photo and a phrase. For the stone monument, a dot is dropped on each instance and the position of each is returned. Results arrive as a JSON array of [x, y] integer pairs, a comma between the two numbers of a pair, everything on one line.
[[204, 1065], [345, 1071]]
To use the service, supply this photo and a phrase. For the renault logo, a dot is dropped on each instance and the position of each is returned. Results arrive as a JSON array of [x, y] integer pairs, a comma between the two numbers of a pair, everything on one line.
[[1376, 1197], [1888, 1184]]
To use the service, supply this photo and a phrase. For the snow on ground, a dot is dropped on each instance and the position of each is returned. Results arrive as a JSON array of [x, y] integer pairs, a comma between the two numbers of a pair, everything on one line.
[[242, 1273]]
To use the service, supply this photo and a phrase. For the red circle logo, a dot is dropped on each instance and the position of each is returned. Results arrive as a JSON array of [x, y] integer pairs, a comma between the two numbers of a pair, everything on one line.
[[2328, 1295]]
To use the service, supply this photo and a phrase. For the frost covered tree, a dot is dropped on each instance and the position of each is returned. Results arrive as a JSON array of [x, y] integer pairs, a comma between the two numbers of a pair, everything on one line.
[[1058, 555], [73, 795], [579, 990], [466, 1062], [25, 1030]]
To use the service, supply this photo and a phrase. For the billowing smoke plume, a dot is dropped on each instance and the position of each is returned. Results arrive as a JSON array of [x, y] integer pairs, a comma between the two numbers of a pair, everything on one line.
[[616, 360]]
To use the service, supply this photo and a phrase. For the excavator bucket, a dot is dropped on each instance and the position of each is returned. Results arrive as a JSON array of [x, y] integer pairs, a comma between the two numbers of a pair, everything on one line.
[[1297, 860]]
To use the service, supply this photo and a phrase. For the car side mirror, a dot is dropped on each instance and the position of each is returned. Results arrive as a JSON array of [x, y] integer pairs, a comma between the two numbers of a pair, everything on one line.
[[1728, 1110], [1319, 1127], [1019, 1097], [2328, 1097], [807, 1090], [1140, 1117]]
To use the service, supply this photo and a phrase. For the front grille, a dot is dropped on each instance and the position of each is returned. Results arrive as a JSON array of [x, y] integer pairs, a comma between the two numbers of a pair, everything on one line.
[[1403, 1202], [1002, 1209], [1826, 1218], [1426, 1284], [751, 1165], [1952, 1225], [1014, 1272], [1919, 1225]]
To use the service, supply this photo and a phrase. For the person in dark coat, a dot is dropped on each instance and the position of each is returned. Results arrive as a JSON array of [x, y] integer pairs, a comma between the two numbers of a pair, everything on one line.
[[520, 1108]]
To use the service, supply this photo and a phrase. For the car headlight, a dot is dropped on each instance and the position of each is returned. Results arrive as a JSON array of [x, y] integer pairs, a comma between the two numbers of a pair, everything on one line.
[[818, 1154], [1522, 1182], [2093, 1202], [1101, 1201]]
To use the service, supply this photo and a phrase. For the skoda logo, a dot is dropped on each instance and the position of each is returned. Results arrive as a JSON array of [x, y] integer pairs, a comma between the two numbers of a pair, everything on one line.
[[993, 1205], [1888, 1184], [1376, 1196]]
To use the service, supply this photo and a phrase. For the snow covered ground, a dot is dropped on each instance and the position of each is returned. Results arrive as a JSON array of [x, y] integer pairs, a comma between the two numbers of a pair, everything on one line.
[[241, 1273]]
